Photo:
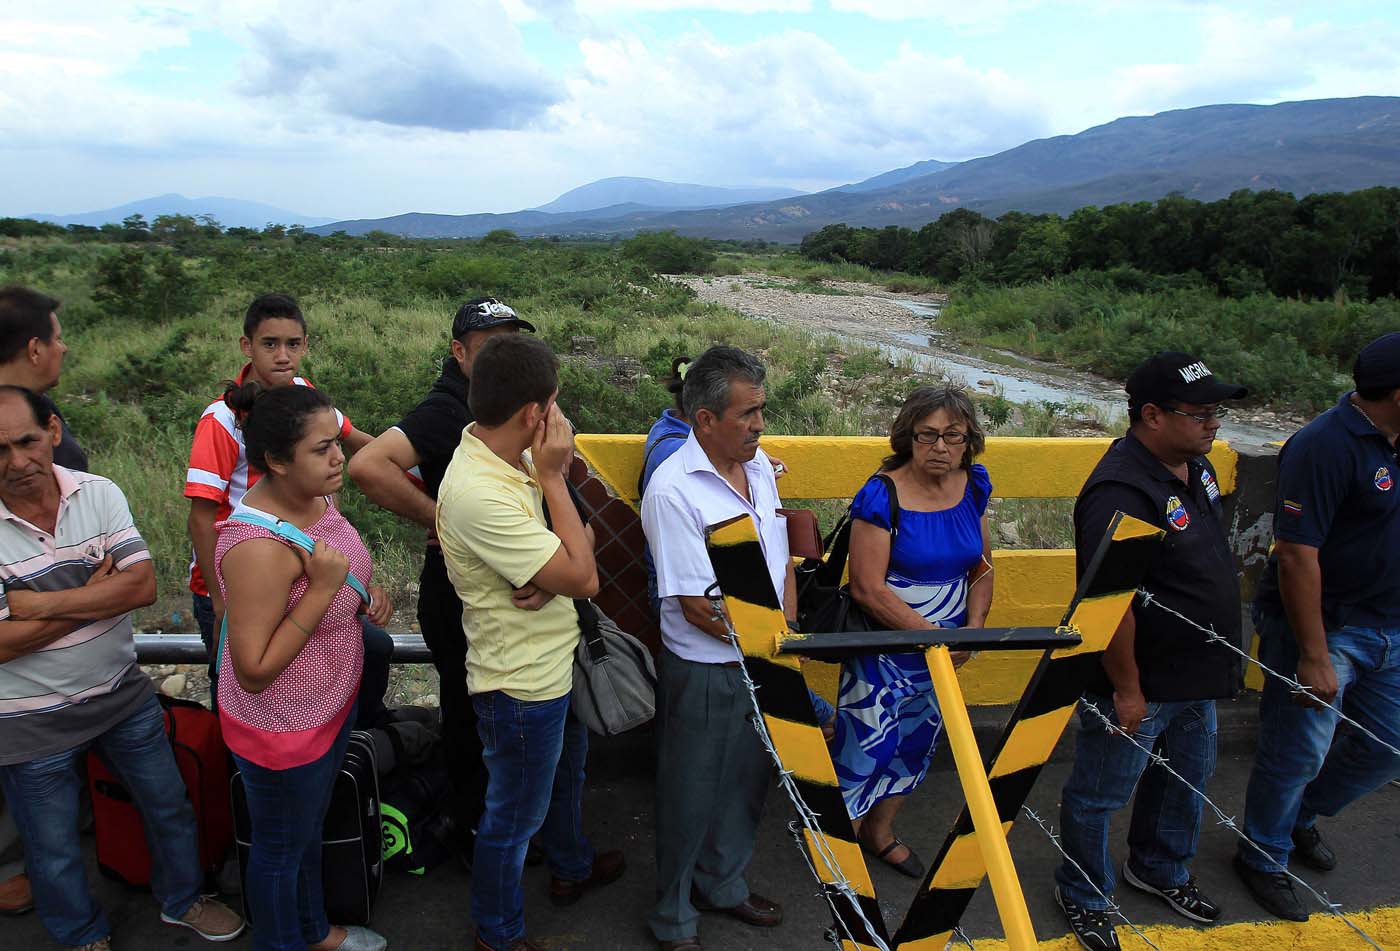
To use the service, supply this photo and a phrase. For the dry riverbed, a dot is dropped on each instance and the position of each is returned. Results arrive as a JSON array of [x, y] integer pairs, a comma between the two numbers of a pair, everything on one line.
[[905, 326]]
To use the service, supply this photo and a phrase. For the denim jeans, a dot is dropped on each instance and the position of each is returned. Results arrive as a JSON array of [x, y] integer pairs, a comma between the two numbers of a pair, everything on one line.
[[534, 753], [204, 616], [43, 796], [1166, 821], [287, 809], [1295, 777]]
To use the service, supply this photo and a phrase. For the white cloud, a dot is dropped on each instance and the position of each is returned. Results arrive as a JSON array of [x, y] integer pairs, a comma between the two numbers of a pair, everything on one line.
[[789, 106], [956, 12], [1249, 58], [458, 66]]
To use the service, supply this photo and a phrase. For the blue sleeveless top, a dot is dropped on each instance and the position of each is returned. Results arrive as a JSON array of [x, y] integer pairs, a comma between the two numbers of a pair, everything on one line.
[[933, 552]]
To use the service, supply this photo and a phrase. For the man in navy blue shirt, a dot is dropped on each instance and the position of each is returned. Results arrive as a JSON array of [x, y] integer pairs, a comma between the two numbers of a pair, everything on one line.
[[1328, 614]]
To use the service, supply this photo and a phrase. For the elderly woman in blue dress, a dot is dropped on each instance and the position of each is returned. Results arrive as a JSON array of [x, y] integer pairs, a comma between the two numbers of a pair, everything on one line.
[[932, 570]]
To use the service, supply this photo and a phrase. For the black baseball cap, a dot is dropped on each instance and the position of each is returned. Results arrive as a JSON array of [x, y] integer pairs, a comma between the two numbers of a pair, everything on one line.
[[1175, 377], [484, 313], [1378, 364]]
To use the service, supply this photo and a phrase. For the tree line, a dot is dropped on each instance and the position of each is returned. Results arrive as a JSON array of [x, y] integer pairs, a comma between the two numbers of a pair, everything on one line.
[[1249, 243]]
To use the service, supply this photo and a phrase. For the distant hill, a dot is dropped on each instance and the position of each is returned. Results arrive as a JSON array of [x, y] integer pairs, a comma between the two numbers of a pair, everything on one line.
[[898, 176], [608, 192], [229, 212], [1206, 153]]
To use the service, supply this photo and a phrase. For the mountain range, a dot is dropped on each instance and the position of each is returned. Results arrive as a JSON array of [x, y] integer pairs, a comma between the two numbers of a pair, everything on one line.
[[650, 193], [1206, 153], [229, 212]]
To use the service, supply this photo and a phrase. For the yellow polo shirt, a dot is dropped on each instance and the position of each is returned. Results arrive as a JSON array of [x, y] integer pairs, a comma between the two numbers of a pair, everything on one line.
[[490, 523]]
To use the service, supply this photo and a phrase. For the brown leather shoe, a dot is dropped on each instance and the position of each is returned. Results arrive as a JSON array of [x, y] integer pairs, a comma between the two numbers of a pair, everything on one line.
[[754, 910], [519, 944], [607, 868], [15, 896], [682, 944]]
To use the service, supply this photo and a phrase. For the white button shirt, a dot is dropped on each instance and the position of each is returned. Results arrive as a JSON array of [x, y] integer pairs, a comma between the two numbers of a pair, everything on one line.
[[685, 495]]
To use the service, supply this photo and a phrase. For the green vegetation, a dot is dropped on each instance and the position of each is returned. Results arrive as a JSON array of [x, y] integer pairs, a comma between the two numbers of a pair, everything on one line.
[[1286, 351], [1249, 243], [153, 325]]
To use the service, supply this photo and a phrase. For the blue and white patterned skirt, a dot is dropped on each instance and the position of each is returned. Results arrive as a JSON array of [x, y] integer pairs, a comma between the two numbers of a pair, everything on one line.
[[887, 726]]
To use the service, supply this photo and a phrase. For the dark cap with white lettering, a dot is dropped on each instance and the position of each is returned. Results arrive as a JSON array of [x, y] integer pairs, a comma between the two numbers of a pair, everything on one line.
[[1172, 377]]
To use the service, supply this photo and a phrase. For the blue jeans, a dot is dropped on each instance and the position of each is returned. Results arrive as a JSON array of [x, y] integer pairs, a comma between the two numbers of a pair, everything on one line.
[[1166, 820], [43, 794], [204, 616], [287, 809], [1295, 778], [534, 753]]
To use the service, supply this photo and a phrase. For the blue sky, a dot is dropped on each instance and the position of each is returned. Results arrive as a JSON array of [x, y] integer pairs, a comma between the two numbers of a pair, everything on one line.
[[365, 109]]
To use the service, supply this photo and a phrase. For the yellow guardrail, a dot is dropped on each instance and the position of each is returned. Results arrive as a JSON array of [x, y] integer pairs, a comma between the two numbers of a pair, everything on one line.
[[1032, 585]]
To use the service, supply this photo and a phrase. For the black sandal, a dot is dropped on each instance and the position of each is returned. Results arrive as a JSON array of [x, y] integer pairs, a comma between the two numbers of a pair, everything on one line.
[[911, 865]]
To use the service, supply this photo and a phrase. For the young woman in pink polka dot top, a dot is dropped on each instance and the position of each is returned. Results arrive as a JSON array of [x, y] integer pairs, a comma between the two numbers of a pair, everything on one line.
[[289, 670]]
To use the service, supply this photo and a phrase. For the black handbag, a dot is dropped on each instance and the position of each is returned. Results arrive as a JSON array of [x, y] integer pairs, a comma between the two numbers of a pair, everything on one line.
[[824, 604]]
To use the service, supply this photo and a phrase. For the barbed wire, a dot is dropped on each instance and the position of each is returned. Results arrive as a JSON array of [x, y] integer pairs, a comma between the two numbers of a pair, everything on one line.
[[1225, 820], [809, 819], [1113, 906], [961, 935], [1212, 636]]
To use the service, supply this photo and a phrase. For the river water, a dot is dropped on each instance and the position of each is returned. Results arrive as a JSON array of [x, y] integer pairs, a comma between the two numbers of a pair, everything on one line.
[[1046, 383]]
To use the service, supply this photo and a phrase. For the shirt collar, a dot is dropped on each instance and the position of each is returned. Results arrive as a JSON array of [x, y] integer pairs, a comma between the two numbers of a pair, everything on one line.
[[1354, 422], [481, 454], [452, 381], [1159, 470], [696, 459]]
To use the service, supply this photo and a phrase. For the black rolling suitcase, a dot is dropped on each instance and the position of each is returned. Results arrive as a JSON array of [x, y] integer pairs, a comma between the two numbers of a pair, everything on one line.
[[351, 838]]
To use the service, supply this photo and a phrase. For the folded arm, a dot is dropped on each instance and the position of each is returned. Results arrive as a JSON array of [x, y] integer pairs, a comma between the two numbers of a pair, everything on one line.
[[109, 593]]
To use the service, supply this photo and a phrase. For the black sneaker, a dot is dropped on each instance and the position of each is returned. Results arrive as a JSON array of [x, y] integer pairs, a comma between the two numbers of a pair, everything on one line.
[[1309, 848], [1091, 927], [1273, 890], [1185, 899]]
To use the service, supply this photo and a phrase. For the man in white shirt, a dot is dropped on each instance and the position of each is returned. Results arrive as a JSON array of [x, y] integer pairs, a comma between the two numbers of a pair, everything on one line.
[[712, 772]]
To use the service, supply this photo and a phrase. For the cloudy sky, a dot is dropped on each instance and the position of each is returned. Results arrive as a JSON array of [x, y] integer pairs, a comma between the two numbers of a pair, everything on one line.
[[365, 109]]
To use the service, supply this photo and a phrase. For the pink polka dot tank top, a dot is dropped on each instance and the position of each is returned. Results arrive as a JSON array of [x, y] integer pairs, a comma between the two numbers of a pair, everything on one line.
[[294, 720]]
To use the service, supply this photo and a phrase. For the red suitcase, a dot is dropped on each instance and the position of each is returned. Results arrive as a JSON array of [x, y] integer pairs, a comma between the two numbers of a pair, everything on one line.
[[204, 766]]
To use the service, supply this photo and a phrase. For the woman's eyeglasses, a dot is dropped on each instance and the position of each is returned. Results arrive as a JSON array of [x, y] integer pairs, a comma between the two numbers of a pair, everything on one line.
[[930, 437]]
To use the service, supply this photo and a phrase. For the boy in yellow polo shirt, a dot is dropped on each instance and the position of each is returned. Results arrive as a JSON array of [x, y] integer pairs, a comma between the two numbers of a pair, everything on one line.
[[508, 468]]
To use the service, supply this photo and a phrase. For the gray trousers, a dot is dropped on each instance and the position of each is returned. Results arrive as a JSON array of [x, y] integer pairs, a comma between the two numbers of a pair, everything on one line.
[[11, 848], [712, 777]]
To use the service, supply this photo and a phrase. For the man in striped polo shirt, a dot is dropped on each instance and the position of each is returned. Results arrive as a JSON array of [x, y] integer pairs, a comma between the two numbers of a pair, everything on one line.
[[73, 567]]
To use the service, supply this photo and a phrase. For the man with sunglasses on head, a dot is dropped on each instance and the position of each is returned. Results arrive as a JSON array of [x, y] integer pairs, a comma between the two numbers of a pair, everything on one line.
[[1160, 676]]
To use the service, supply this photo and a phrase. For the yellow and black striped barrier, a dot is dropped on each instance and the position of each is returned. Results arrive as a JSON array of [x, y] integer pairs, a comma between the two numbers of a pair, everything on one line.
[[976, 846]]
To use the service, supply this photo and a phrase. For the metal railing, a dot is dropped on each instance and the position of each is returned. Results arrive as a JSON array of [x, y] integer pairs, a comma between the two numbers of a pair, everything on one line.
[[179, 648]]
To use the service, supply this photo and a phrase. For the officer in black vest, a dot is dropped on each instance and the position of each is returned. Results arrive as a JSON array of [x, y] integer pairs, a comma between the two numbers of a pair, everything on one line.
[[1160, 676]]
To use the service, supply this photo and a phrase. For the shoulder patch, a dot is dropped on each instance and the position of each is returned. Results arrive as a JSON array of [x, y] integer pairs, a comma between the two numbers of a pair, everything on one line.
[[1291, 507], [1177, 516]]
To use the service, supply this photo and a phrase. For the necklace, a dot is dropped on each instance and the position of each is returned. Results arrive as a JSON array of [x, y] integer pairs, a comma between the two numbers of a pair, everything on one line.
[[1368, 419]]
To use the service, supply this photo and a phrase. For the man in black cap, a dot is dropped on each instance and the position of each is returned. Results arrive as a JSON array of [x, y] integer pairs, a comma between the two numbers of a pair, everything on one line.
[[1328, 614], [1160, 676], [401, 471]]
